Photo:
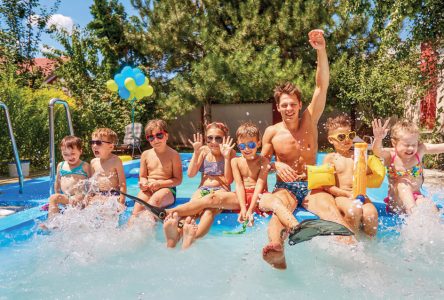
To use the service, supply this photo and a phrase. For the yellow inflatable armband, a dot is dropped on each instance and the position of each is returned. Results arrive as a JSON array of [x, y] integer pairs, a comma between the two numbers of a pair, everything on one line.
[[125, 158], [375, 179], [319, 176]]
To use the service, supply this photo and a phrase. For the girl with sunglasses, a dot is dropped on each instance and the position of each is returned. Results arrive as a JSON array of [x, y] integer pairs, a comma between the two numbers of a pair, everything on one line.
[[213, 160], [160, 169], [356, 214], [250, 174]]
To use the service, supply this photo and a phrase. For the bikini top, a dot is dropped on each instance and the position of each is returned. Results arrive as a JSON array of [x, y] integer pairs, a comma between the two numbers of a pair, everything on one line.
[[76, 171], [213, 168], [415, 171]]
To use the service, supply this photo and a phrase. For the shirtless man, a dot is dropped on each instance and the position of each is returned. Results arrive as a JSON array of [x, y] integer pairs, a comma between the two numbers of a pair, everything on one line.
[[294, 141], [160, 169]]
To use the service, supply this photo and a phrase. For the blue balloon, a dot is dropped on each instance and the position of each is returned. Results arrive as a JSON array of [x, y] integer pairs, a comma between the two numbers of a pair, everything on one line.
[[120, 80], [139, 78], [127, 72], [137, 71], [124, 93]]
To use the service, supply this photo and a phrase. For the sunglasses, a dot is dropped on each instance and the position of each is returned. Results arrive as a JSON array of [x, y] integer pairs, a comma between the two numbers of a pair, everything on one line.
[[250, 145], [217, 139], [159, 136], [98, 142], [340, 137]]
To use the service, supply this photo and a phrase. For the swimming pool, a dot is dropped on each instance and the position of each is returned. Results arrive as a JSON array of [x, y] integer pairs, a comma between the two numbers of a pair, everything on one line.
[[100, 260]]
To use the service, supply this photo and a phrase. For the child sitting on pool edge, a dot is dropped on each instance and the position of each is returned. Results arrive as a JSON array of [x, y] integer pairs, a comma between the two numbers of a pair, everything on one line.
[[160, 169], [107, 168], [404, 164], [214, 163], [72, 174], [250, 175], [355, 213]]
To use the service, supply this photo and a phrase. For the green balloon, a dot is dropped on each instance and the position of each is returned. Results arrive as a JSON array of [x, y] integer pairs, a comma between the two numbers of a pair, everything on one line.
[[130, 84], [112, 85]]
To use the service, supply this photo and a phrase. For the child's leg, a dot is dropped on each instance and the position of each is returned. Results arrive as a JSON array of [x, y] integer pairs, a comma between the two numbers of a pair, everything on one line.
[[206, 220], [426, 202], [162, 198], [403, 197], [220, 199], [138, 208], [369, 218], [352, 212], [282, 204], [54, 202], [171, 230], [189, 232]]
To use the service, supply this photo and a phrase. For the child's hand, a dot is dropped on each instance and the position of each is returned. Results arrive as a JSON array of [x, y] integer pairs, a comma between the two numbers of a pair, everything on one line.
[[143, 186], [249, 216], [241, 218], [197, 142], [226, 147], [153, 186], [380, 131], [316, 39]]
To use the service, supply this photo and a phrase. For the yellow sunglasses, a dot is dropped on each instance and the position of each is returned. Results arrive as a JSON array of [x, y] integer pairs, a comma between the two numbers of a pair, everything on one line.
[[340, 137]]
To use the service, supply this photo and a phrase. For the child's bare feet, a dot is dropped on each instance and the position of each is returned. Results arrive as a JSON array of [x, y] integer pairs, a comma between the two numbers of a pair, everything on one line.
[[189, 232], [170, 229], [273, 254]]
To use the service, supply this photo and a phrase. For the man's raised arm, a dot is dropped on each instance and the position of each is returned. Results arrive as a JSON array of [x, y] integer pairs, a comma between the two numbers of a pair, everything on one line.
[[317, 105]]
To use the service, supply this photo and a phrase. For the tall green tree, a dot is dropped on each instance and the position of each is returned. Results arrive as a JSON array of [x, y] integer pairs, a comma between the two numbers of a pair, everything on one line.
[[236, 51]]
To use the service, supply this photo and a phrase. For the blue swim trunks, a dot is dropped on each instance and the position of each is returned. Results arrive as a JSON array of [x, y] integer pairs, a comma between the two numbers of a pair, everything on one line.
[[299, 189]]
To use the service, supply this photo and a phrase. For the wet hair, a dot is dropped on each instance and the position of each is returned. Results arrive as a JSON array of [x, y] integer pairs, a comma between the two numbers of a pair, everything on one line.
[[342, 120], [106, 133], [287, 88], [218, 125], [155, 123], [71, 142], [403, 126], [248, 129]]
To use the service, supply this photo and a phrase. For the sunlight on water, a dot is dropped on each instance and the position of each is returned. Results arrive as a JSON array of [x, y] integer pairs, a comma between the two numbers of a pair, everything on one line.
[[88, 256]]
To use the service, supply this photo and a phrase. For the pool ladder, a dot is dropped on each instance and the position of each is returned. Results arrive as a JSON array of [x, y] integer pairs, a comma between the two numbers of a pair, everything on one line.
[[14, 148], [52, 162]]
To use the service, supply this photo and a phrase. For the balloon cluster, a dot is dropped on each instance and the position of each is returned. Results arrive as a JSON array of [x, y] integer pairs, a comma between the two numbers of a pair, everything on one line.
[[131, 84]]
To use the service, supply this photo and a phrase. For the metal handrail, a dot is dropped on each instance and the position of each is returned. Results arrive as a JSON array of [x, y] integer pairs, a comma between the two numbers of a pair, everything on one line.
[[52, 163], [14, 148]]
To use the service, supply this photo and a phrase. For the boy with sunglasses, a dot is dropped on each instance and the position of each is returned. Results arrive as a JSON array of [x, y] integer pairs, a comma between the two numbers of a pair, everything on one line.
[[107, 168], [160, 169], [355, 213]]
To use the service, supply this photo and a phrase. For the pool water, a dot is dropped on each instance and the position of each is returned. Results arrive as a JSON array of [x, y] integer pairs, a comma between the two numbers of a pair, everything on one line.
[[99, 257]]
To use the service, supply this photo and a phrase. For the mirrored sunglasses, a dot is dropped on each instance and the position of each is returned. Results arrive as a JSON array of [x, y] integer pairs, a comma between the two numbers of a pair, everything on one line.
[[217, 139], [159, 136], [250, 145]]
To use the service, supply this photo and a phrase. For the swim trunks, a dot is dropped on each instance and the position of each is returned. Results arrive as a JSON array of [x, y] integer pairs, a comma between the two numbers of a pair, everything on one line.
[[249, 196], [299, 189]]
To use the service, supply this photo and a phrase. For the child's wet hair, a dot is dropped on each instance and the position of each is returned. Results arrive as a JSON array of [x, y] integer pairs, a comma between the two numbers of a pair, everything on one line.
[[106, 133], [342, 120], [403, 126], [288, 88], [155, 123], [218, 125], [248, 129], [71, 142]]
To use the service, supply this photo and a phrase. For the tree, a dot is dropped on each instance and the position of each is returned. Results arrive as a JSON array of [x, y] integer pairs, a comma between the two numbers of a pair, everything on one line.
[[22, 23], [236, 51]]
